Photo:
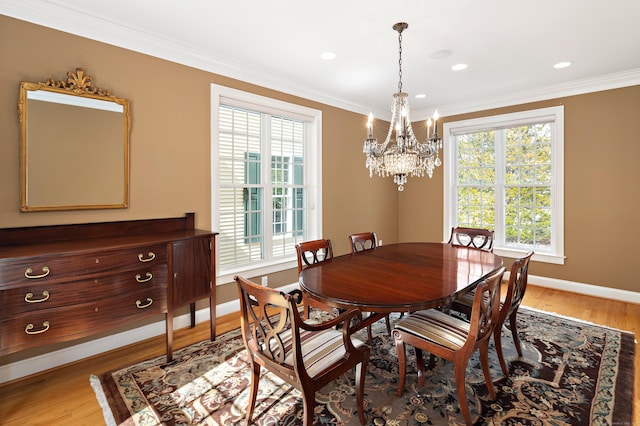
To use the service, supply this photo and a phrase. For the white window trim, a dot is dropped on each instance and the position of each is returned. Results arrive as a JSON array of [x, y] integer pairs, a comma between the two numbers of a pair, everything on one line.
[[313, 169], [452, 129]]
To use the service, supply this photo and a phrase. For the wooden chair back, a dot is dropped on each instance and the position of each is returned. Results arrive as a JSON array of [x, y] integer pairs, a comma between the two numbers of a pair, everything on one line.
[[472, 237], [268, 319], [312, 252], [485, 311], [363, 241], [517, 286]]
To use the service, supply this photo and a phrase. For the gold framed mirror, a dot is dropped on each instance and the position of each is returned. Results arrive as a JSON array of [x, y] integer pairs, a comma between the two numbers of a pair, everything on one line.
[[74, 146]]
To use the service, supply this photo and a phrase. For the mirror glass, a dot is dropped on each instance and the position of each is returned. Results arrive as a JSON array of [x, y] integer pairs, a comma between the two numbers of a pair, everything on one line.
[[74, 146]]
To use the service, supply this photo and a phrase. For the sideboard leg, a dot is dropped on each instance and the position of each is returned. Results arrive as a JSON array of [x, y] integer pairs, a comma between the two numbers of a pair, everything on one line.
[[192, 309], [169, 335], [212, 319]]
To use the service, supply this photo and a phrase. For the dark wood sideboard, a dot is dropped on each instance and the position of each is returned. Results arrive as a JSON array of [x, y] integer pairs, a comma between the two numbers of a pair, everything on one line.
[[63, 282]]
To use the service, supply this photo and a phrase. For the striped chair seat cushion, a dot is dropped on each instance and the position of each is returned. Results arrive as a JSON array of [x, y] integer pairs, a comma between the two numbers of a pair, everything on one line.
[[437, 327], [320, 349]]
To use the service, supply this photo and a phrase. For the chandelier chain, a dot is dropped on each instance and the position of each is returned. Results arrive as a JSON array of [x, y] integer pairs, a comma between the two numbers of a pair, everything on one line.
[[400, 60]]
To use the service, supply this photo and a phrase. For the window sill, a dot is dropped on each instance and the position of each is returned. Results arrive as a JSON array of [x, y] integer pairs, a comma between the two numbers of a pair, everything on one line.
[[538, 257], [255, 270]]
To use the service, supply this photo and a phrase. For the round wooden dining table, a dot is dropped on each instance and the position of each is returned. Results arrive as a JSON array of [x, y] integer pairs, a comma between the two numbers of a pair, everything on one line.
[[398, 277]]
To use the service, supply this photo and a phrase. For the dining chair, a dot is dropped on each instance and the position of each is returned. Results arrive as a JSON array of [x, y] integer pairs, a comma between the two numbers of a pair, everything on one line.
[[451, 338], [363, 241], [307, 355], [479, 238], [472, 237], [309, 253], [509, 305]]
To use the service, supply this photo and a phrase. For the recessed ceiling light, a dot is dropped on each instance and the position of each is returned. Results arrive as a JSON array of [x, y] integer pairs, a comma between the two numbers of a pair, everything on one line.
[[421, 96], [328, 56], [562, 65], [459, 67]]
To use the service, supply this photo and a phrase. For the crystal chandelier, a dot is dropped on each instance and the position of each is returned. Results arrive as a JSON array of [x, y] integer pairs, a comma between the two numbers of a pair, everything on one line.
[[403, 155]]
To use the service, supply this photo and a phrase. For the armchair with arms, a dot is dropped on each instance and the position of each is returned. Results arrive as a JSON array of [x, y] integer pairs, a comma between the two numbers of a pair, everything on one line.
[[307, 355]]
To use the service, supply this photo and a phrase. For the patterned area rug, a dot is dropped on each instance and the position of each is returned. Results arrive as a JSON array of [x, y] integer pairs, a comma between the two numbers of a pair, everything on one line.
[[572, 373]]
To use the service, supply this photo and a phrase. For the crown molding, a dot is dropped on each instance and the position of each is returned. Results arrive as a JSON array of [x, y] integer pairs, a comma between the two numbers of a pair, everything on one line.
[[571, 88], [49, 14]]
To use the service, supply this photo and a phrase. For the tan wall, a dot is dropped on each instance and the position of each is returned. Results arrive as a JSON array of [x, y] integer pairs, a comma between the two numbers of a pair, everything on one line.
[[170, 170], [170, 167], [602, 190]]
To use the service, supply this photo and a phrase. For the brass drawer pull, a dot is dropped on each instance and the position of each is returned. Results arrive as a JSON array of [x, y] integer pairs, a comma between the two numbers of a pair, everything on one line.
[[29, 297], [29, 271], [30, 326], [141, 306], [151, 255], [139, 278]]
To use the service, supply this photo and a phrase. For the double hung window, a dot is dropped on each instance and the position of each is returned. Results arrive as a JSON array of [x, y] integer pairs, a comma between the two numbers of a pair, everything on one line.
[[505, 173], [264, 182]]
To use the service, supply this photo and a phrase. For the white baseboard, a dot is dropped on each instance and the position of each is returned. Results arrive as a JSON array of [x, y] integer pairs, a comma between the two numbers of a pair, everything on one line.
[[60, 357], [587, 289]]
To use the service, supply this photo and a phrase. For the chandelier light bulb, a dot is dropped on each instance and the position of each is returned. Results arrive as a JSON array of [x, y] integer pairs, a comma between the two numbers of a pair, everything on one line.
[[435, 125]]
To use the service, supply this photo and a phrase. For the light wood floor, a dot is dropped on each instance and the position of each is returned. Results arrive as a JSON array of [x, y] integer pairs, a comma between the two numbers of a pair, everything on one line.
[[63, 396]]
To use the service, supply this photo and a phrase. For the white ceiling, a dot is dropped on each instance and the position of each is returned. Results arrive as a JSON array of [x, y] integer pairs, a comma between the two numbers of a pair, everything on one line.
[[509, 45]]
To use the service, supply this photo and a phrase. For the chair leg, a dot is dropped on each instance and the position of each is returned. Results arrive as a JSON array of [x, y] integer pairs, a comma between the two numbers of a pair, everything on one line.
[[459, 374], [307, 311], [402, 361], [253, 395], [361, 372], [514, 332], [497, 338], [484, 361], [432, 361], [388, 324], [308, 406], [420, 366]]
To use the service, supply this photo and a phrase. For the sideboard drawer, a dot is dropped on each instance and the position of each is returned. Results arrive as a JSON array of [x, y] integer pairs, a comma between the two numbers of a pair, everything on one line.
[[61, 324], [49, 268], [65, 282], [41, 295]]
